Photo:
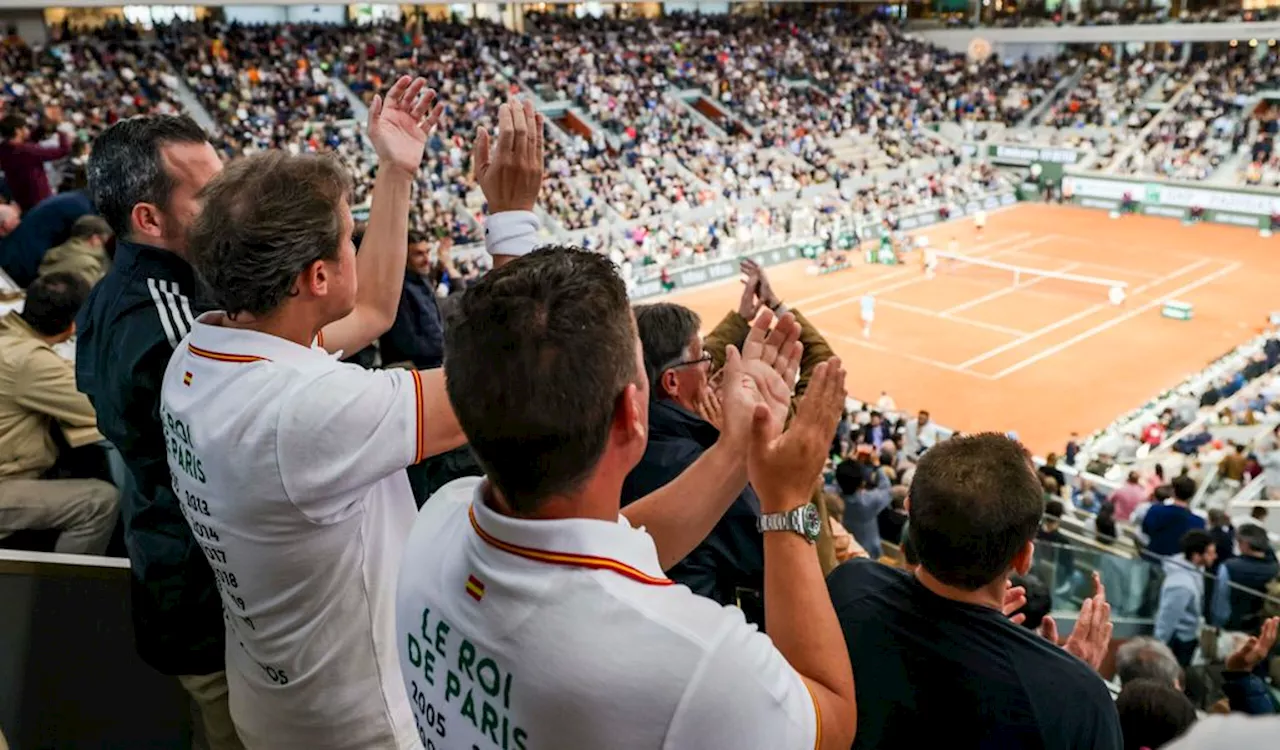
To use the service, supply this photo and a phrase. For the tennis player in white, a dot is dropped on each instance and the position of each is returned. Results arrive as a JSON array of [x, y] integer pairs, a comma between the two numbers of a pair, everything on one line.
[[868, 314]]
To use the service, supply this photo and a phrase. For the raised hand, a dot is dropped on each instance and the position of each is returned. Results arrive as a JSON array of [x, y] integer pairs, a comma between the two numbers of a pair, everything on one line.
[[783, 468], [748, 305], [772, 358], [510, 172], [1015, 598], [400, 123], [1253, 651], [1091, 636], [764, 291]]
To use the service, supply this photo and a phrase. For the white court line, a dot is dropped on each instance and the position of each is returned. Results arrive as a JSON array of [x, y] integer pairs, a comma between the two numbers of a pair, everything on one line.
[[1007, 290], [800, 303], [907, 355], [917, 279], [1077, 316], [1118, 320], [934, 314]]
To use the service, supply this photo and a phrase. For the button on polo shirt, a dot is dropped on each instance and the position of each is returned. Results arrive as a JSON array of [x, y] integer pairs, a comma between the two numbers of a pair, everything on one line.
[[550, 635], [289, 468]]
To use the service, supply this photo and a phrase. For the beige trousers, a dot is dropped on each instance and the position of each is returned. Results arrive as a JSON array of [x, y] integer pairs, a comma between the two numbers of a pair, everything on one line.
[[209, 691], [84, 510]]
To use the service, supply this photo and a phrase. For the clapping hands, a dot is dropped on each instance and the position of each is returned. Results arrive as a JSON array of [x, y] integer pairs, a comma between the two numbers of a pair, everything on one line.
[[1091, 636], [510, 171]]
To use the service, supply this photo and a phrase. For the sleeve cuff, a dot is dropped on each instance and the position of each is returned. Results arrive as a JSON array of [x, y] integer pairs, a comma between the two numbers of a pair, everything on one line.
[[512, 233]]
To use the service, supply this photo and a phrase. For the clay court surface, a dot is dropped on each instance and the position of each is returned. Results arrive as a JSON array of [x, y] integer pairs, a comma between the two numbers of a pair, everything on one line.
[[1043, 357]]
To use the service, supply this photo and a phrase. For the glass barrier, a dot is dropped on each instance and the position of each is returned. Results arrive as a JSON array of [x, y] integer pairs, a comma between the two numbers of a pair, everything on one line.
[[1132, 582]]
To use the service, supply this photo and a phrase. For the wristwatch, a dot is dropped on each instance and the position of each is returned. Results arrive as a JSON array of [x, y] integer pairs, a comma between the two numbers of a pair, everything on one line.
[[803, 520]]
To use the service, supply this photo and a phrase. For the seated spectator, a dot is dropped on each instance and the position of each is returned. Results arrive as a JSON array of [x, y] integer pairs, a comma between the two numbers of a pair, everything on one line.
[[1242, 582], [1050, 526], [865, 491], [1152, 714], [37, 394], [1182, 595], [974, 509], [84, 254], [1146, 658], [844, 546], [543, 541], [47, 225], [1166, 525]]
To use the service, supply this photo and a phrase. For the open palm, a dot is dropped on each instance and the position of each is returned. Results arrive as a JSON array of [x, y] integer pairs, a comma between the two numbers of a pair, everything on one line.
[[400, 122]]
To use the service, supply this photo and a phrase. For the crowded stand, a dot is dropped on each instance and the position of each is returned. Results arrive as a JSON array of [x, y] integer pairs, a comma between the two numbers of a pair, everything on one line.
[[391, 363]]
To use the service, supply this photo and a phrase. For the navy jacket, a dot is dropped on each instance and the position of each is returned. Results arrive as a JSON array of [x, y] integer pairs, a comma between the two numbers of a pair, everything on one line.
[[128, 330], [417, 336], [729, 564], [45, 226]]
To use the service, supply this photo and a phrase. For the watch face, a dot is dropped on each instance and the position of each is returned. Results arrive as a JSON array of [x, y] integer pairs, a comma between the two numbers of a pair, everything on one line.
[[812, 522]]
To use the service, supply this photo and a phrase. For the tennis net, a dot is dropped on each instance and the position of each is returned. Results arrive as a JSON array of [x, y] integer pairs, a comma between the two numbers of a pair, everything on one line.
[[1045, 280]]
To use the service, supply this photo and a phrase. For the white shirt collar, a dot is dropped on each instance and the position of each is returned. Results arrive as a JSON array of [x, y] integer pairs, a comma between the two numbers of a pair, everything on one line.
[[572, 542], [209, 337]]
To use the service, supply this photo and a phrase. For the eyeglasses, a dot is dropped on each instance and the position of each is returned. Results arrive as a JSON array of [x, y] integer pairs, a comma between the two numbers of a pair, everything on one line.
[[705, 358]]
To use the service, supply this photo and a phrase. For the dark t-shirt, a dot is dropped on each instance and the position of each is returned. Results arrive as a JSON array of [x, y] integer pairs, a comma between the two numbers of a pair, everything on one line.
[[931, 671]]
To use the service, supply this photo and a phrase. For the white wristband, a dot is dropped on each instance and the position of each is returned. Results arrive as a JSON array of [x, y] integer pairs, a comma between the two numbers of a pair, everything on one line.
[[512, 233]]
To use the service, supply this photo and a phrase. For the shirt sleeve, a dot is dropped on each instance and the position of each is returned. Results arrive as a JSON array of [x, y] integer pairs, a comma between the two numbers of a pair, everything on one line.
[[745, 695], [49, 387], [347, 429]]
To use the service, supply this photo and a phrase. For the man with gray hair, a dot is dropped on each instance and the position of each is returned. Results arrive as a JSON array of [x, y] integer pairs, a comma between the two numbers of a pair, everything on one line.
[[84, 254], [728, 566], [1145, 657]]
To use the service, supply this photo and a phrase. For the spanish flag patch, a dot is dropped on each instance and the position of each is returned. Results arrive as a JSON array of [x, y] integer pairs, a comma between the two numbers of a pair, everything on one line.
[[475, 588], [186, 378]]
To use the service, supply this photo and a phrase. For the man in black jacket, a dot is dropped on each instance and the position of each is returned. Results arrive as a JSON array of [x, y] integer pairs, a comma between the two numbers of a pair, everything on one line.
[[145, 174], [729, 564], [416, 339]]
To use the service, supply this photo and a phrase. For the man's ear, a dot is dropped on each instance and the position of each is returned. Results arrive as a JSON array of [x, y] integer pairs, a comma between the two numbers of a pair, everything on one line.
[[667, 382], [1022, 560], [628, 415], [147, 220]]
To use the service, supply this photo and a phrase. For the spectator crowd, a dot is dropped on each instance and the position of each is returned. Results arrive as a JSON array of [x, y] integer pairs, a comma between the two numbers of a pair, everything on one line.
[[348, 528]]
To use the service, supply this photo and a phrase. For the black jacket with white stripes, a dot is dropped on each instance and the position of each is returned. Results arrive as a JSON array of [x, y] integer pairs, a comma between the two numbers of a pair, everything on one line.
[[128, 330]]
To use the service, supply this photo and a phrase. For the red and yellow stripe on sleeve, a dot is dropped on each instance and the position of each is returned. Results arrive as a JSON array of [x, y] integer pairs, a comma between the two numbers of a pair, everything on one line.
[[420, 449]]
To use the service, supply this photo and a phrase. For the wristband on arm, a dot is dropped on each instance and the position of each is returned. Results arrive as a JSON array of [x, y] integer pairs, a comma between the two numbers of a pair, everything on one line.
[[512, 233]]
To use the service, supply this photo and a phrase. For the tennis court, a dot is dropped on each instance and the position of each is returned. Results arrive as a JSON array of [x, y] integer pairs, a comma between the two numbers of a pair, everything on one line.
[[984, 347]]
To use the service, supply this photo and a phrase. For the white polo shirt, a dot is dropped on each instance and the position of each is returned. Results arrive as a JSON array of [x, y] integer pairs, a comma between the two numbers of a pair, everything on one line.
[[559, 635], [290, 468]]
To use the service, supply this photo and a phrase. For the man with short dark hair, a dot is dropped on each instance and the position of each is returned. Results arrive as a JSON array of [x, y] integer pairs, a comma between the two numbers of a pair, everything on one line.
[[1242, 582], [1182, 595], [84, 253], [938, 643], [38, 392], [145, 174], [416, 339], [23, 162], [1166, 525], [557, 595]]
